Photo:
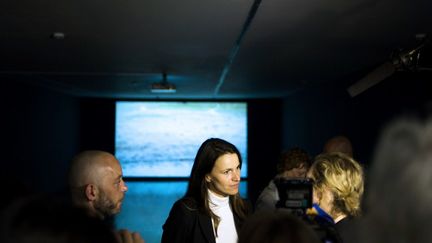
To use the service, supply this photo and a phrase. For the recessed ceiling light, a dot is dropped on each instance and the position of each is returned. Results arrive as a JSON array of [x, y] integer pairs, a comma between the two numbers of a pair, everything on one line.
[[58, 35]]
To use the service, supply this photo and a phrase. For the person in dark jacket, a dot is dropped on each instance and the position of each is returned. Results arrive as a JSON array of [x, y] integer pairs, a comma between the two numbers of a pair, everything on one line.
[[212, 210], [337, 190]]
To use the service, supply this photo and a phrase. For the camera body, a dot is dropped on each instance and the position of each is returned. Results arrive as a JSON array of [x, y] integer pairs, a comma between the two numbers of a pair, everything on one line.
[[295, 195]]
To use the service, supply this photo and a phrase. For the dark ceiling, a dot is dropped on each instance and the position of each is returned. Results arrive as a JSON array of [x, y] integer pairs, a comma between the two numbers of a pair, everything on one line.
[[220, 49]]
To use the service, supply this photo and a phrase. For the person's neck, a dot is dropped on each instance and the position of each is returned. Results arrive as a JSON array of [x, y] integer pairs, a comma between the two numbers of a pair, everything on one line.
[[216, 195], [93, 212], [339, 218]]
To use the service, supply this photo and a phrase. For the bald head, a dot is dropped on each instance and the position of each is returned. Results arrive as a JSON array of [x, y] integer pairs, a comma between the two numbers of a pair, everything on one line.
[[96, 182], [339, 144], [89, 167]]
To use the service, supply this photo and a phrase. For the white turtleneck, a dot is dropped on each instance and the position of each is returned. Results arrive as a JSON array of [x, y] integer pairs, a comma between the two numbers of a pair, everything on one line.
[[220, 206]]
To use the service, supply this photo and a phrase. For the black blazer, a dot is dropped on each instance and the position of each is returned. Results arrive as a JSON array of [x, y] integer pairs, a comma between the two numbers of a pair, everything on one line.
[[186, 224]]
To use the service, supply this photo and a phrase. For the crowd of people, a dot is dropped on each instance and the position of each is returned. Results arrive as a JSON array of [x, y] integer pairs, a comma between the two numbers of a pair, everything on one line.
[[395, 208]]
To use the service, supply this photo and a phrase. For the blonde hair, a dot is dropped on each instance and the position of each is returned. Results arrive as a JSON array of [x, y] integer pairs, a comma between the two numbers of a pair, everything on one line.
[[343, 176]]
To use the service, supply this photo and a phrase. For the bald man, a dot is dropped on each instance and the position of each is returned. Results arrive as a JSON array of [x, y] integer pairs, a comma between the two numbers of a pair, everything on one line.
[[96, 184], [338, 144]]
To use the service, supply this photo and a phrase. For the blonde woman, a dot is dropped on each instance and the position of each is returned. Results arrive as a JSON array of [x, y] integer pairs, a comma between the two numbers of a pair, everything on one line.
[[338, 189]]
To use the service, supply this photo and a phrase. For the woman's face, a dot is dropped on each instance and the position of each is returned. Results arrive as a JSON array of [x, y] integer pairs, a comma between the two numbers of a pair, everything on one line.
[[224, 179]]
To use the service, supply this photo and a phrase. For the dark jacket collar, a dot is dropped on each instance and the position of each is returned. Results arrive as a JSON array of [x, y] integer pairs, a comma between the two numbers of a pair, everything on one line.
[[206, 227]]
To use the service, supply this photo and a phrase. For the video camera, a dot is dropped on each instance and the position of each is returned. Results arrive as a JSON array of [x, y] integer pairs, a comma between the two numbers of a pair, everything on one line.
[[295, 195]]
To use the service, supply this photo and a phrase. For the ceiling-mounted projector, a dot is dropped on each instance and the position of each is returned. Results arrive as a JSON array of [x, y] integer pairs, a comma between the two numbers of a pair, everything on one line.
[[163, 86]]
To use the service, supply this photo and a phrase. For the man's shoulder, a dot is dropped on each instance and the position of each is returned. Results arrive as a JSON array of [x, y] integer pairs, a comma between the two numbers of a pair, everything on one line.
[[271, 188]]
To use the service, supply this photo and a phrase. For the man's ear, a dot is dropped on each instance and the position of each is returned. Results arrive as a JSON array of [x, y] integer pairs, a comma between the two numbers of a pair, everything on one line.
[[90, 192]]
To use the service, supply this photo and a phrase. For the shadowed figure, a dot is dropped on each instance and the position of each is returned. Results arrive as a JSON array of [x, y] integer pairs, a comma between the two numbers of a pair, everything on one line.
[[398, 200], [46, 219], [338, 144], [276, 227]]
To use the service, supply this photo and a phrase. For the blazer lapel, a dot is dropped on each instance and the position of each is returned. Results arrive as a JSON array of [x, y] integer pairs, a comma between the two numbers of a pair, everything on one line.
[[206, 227], [237, 222]]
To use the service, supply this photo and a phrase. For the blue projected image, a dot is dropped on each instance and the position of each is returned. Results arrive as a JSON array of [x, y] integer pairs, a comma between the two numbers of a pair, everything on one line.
[[161, 139]]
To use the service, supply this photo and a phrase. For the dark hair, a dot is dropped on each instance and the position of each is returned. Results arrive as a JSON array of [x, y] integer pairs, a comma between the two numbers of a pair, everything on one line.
[[293, 158], [204, 162]]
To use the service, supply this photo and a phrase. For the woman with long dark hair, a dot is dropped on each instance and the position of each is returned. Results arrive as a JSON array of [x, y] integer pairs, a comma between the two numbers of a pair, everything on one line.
[[211, 210]]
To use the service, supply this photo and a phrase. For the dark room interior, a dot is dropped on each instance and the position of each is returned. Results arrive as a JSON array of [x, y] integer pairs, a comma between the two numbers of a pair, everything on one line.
[[64, 64]]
